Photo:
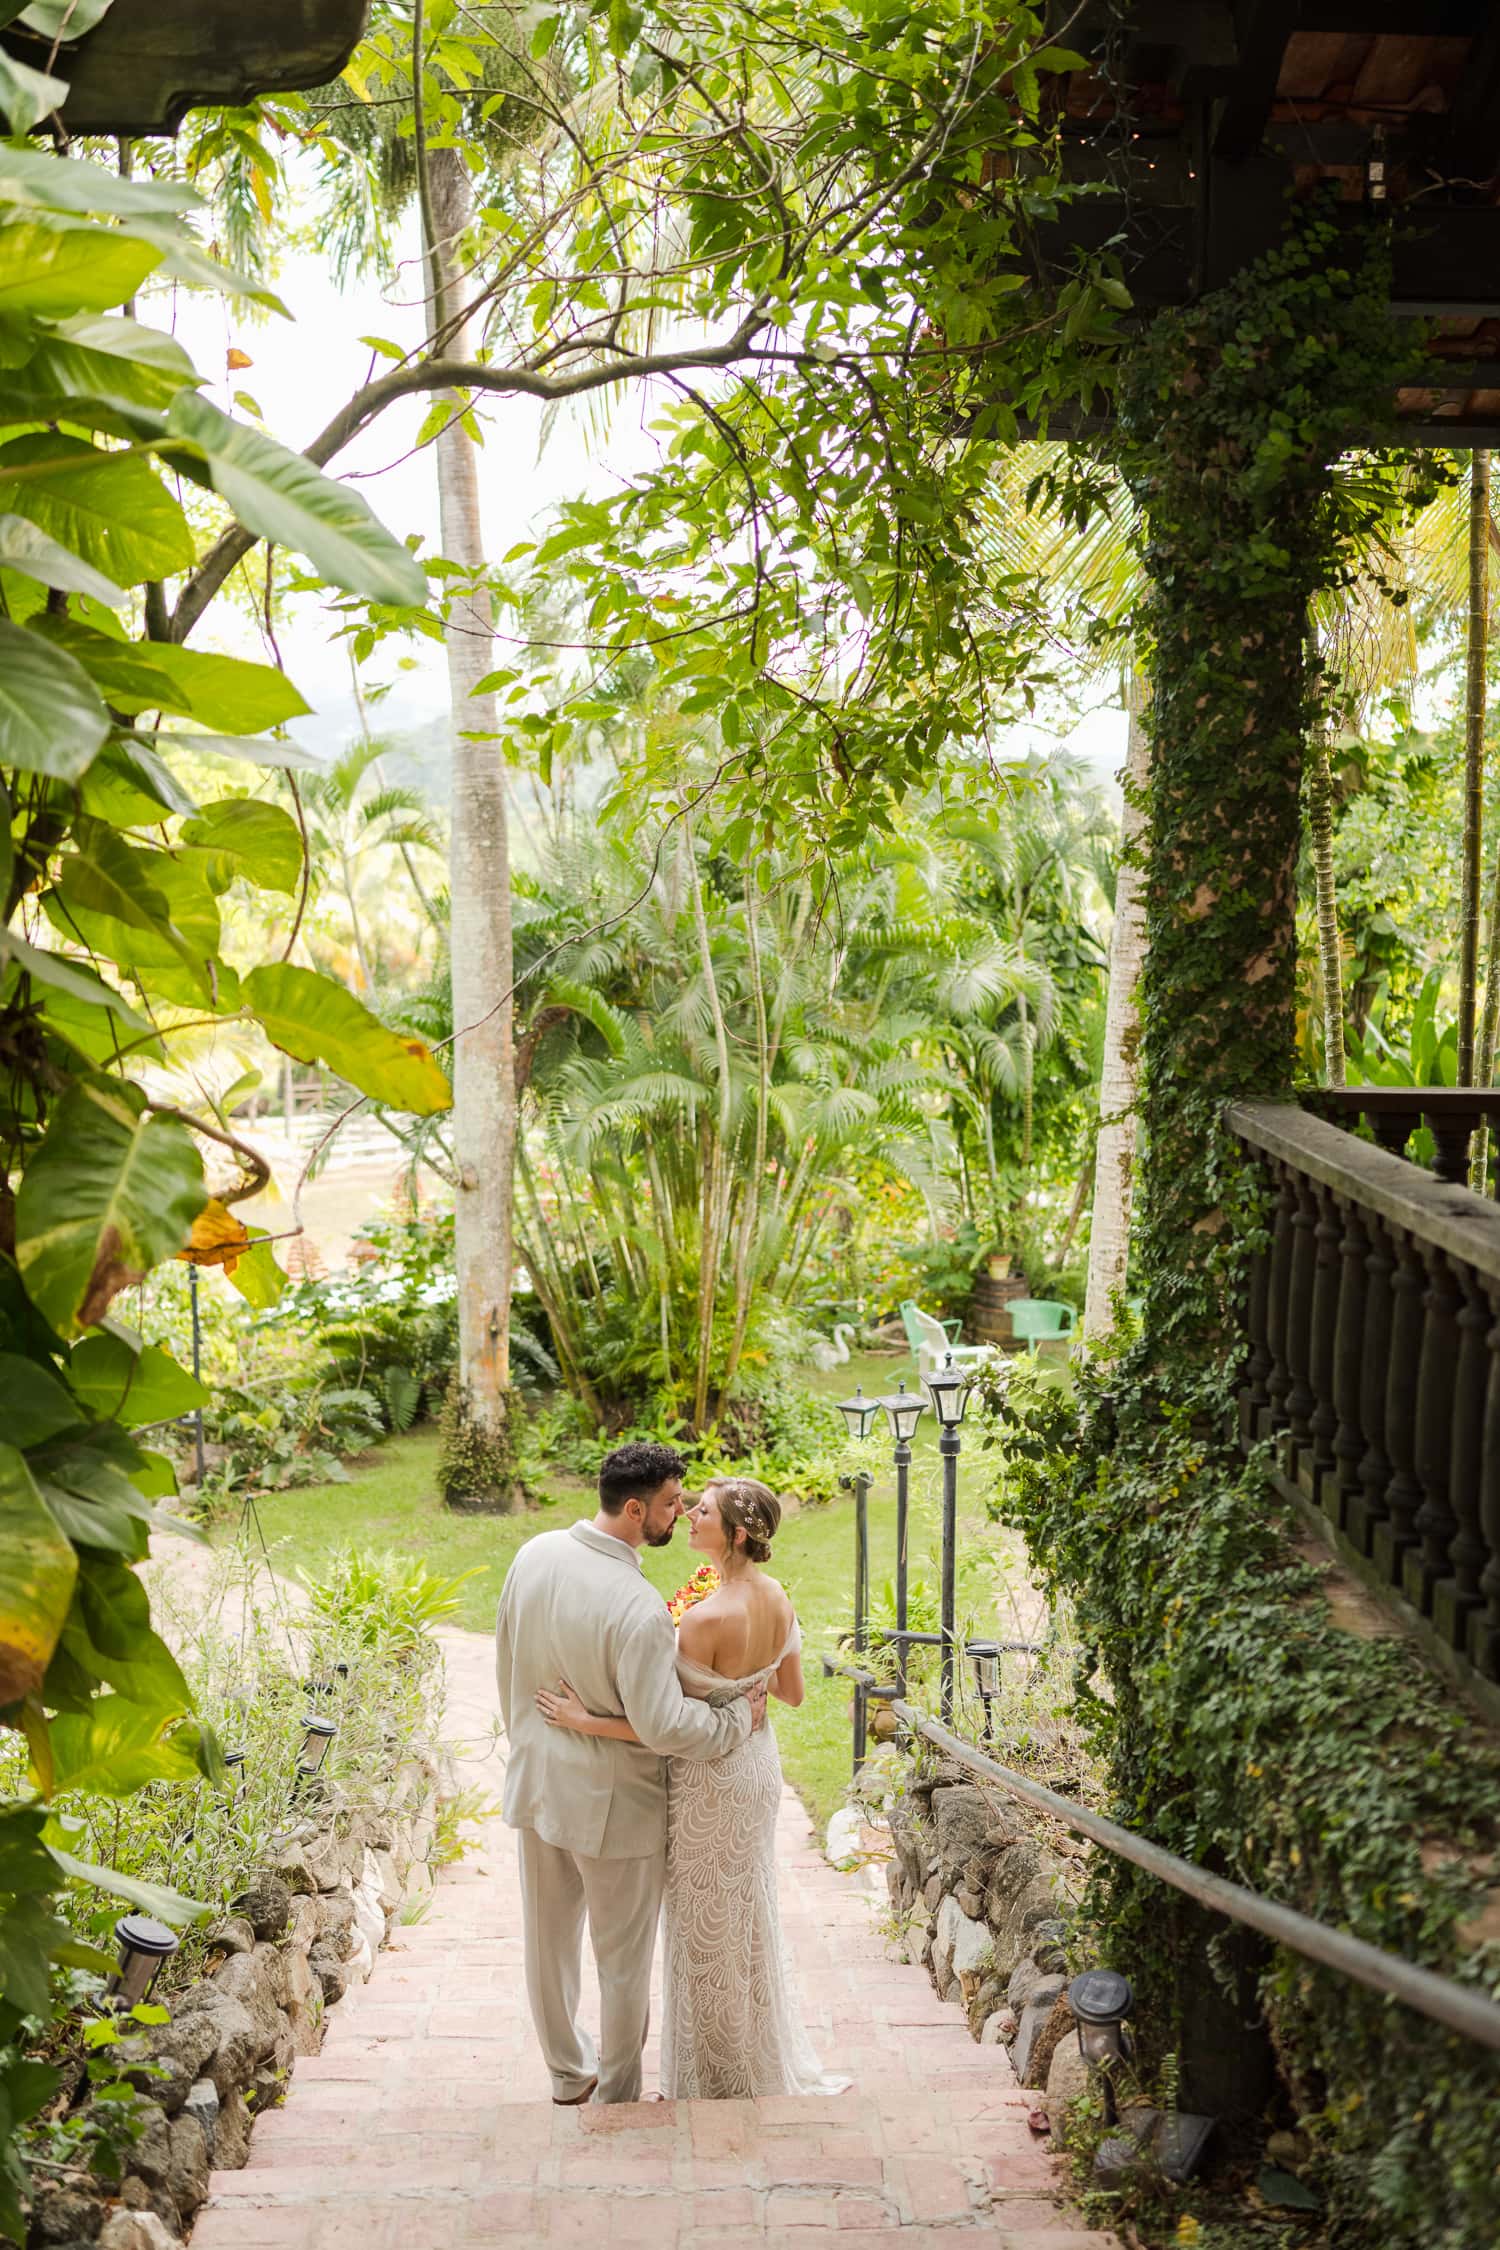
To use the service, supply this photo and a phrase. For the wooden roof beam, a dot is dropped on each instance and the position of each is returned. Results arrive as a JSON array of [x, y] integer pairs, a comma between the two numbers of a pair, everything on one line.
[[1262, 29]]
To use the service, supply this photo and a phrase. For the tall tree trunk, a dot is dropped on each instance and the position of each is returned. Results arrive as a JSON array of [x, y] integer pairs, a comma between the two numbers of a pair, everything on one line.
[[477, 1469], [1114, 1151], [1474, 699], [1330, 965]]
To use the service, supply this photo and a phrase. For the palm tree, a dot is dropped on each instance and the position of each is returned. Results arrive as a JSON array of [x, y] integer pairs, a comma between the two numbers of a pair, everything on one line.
[[354, 816]]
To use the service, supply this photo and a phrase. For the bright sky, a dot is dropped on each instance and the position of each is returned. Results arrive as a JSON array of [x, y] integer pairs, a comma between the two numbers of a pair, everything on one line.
[[303, 370]]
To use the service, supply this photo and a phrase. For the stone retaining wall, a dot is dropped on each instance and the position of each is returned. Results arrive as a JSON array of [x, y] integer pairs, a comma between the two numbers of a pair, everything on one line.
[[308, 1925], [990, 1907]]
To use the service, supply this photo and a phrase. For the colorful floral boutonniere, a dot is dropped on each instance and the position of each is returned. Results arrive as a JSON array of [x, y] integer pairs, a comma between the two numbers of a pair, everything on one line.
[[704, 1581]]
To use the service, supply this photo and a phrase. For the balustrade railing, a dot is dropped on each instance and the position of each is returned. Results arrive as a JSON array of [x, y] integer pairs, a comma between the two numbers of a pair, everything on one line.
[[1373, 1363]]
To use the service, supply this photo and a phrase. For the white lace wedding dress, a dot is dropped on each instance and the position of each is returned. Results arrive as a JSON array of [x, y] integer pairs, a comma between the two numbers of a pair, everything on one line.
[[733, 2023]]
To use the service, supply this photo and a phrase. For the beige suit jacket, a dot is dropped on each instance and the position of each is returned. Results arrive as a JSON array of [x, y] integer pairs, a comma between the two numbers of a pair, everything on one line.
[[576, 1607]]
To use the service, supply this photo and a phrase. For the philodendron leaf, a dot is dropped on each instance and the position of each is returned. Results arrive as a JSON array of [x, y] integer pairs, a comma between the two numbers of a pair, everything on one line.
[[152, 1898], [115, 1748], [244, 749], [27, 96], [27, 176], [55, 271], [110, 507], [135, 1387], [37, 1405], [28, 549], [74, 978], [252, 838], [217, 691], [52, 717], [64, 19], [37, 1571], [110, 1193], [316, 1020], [280, 495], [256, 1275]]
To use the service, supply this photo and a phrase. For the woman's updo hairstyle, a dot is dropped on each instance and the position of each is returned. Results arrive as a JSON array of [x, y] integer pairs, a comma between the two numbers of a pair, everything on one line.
[[752, 1508]]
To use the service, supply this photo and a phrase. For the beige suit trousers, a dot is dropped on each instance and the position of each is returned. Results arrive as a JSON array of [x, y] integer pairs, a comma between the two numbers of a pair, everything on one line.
[[622, 1901]]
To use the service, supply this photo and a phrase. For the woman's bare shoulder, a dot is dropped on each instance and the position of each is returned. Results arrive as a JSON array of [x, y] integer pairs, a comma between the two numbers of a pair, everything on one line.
[[699, 1631]]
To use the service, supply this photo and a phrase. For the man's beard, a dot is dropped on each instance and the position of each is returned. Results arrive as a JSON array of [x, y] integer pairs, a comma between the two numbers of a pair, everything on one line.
[[661, 1538]]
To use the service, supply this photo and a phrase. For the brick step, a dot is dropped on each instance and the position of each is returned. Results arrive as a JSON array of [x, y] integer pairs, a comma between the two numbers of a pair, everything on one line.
[[794, 2172], [423, 2123]]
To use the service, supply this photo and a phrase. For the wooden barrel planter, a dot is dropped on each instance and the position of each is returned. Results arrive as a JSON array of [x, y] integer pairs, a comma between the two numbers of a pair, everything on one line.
[[989, 1308]]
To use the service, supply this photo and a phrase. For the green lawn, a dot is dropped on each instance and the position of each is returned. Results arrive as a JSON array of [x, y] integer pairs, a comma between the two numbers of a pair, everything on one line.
[[391, 1502]]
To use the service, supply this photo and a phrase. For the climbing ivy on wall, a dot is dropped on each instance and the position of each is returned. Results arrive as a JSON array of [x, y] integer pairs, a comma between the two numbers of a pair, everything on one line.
[[1242, 1727], [1233, 420]]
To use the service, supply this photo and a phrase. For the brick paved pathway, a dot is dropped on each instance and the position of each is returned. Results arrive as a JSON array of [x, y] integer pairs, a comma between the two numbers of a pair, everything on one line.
[[426, 2118]]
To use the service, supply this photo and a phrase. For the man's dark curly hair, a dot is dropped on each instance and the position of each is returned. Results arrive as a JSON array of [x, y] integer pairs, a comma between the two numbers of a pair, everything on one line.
[[634, 1472]]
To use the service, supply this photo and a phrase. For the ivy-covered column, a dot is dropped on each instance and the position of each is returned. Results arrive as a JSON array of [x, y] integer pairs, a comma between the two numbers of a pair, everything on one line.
[[1232, 416]]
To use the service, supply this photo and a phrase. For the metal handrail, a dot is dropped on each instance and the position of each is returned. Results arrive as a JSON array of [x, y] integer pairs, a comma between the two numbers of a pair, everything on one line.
[[1457, 2006]]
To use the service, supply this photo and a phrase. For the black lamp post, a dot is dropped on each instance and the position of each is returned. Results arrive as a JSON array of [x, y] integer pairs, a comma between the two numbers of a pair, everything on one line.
[[198, 1455], [860, 1414], [948, 1388], [903, 1412]]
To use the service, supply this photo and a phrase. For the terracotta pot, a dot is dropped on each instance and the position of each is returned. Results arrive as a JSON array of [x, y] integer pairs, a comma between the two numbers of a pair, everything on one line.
[[999, 1266]]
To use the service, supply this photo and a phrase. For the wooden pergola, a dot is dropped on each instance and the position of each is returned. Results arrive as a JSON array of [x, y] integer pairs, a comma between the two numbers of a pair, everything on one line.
[[1200, 117]]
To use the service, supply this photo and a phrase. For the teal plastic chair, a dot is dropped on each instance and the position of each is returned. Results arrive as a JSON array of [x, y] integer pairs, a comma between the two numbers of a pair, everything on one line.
[[1039, 1320]]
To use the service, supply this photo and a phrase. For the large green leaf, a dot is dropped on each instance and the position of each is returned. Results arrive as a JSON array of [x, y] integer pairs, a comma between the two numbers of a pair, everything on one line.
[[27, 96], [225, 693], [64, 19], [245, 749], [280, 495], [105, 360], [53, 272], [110, 1193], [147, 911], [256, 1275], [316, 1020], [115, 1748], [137, 1385], [37, 1572], [259, 841], [26, 547], [152, 1898], [37, 1405], [110, 508], [52, 717], [221, 692], [105, 875], [53, 183], [72, 978], [110, 1635], [129, 786]]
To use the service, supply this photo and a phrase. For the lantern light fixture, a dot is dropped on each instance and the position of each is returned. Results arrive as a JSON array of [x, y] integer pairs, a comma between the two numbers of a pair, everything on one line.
[[903, 1411], [317, 1733], [859, 1412], [1102, 1999], [144, 1944], [948, 1388]]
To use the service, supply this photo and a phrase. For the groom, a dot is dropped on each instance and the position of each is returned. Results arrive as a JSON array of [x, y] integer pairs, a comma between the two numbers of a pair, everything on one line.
[[591, 1814]]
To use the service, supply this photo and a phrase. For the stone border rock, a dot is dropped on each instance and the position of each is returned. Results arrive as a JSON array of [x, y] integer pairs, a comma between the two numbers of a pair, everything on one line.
[[307, 1925], [994, 1907]]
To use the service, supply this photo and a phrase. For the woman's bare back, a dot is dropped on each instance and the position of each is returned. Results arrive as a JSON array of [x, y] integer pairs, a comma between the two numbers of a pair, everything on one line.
[[739, 1630]]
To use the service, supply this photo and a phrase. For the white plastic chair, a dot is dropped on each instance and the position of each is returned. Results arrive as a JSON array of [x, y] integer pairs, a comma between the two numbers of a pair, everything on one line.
[[929, 1339]]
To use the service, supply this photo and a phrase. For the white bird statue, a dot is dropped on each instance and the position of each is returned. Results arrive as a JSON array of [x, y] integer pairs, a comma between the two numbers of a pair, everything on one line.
[[828, 1355]]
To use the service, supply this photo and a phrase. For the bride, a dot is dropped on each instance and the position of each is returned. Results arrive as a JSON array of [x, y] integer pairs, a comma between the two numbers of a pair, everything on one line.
[[733, 2027]]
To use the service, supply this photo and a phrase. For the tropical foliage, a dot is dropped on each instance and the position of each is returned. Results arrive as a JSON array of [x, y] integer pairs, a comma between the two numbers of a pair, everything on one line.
[[114, 874]]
